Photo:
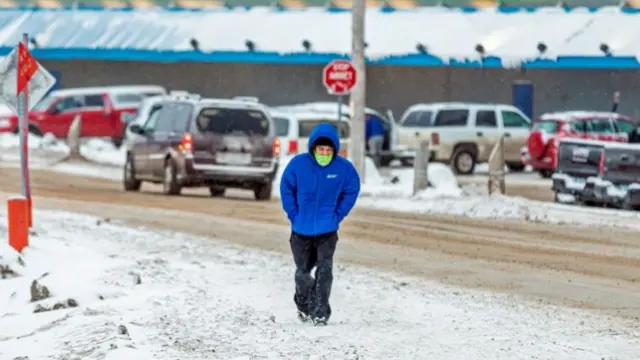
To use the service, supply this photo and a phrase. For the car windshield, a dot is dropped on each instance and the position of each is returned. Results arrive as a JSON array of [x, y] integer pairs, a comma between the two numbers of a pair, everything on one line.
[[230, 121], [305, 127], [44, 104], [548, 126]]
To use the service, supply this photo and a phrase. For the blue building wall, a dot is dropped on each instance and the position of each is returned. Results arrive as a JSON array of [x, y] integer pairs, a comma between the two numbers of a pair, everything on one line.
[[394, 87]]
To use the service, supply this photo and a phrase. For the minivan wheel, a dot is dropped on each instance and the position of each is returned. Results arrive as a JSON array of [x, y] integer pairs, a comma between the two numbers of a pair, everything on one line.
[[263, 192], [463, 161], [170, 184], [129, 177], [216, 191]]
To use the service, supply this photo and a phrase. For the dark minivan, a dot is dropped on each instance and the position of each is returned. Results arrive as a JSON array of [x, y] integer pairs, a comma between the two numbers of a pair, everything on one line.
[[215, 143]]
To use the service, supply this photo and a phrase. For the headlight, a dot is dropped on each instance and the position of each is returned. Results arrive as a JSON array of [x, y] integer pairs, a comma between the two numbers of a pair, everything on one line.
[[5, 123]]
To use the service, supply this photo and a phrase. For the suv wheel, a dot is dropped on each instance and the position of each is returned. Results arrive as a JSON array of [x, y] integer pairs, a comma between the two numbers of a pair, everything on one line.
[[130, 181], [262, 192], [515, 167], [170, 184], [216, 191], [463, 161]]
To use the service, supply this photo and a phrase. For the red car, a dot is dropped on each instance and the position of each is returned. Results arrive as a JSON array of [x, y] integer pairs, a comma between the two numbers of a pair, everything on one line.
[[541, 151], [104, 110]]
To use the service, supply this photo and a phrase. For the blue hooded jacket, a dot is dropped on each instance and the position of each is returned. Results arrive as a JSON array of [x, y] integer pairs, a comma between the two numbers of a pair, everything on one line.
[[317, 198], [373, 127]]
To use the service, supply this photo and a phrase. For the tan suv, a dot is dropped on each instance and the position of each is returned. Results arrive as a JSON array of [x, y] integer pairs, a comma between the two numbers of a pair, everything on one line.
[[464, 134]]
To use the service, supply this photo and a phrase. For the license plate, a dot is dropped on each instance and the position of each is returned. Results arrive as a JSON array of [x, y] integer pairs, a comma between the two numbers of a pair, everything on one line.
[[580, 155], [233, 158]]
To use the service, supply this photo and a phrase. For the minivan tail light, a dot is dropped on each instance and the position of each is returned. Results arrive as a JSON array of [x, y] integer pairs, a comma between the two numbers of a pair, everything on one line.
[[276, 148], [293, 147], [601, 165], [187, 142], [435, 139]]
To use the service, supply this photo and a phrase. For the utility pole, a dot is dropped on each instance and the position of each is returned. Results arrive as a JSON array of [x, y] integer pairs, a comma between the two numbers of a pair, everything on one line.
[[358, 95]]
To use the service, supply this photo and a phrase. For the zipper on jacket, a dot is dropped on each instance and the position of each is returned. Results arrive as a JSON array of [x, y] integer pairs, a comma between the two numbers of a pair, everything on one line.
[[315, 209]]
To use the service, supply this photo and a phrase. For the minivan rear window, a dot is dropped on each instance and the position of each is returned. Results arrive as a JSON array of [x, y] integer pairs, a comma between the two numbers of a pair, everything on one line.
[[548, 126], [306, 127], [230, 121]]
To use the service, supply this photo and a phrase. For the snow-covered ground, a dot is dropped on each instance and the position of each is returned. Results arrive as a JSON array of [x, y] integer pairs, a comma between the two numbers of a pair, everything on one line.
[[147, 294]]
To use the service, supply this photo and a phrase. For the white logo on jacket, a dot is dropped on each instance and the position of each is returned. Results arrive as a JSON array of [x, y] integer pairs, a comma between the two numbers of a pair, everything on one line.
[[332, 176]]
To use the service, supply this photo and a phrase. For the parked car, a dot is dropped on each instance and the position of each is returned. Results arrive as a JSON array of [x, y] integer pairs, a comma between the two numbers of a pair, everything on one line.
[[598, 173], [214, 143], [104, 111], [542, 144], [619, 181], [463, 134], [390, 151], [578, 160], [294, 128], [142, 112]]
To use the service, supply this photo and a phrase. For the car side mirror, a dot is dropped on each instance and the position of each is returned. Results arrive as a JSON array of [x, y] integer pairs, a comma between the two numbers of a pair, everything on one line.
[[53, 110], [136, 129]]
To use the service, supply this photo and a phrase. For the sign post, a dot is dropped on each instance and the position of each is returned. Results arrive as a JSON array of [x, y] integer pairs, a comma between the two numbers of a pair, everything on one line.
[[339, 78], [27, 67], [32, 82]]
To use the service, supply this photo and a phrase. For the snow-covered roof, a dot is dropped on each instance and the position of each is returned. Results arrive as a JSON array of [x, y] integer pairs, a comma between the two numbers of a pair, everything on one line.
[[448, 35], [114, 90], [579, 114], [303, 115], [458, 105]]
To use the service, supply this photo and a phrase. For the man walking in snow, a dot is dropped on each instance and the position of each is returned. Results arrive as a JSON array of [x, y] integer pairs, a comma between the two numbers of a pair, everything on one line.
[[318, 190]]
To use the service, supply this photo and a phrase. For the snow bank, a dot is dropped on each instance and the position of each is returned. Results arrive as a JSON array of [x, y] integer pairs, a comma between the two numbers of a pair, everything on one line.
[[509, 208], [442, 183], [97, 150], [203, 298], [102, 151], [441, 179], [10, 141]]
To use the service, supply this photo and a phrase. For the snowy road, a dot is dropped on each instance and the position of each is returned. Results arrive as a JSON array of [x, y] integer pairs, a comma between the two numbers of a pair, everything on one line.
[[202, 298], [593, 267]]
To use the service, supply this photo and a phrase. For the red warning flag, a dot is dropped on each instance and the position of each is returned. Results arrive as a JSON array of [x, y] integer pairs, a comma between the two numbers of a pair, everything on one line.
[[27, 67]]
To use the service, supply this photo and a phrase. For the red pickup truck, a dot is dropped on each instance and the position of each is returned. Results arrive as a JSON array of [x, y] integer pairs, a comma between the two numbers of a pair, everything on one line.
[[104, 110]]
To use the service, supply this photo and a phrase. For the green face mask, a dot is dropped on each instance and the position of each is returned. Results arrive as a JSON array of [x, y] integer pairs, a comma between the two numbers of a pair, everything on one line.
[[323, 160]]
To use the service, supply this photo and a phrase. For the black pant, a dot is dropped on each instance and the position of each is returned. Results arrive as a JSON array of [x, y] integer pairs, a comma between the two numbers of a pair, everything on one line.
[[312, 295]]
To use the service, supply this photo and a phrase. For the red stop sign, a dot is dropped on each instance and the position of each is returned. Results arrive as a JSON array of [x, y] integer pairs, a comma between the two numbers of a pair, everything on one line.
[[339, 77]]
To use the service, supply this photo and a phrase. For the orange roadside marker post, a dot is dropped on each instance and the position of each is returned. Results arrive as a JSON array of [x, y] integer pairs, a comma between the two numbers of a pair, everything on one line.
[[18, 211]]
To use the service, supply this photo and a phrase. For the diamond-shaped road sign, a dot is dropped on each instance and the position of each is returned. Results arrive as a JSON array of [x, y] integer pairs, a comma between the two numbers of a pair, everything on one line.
[[39, 85]]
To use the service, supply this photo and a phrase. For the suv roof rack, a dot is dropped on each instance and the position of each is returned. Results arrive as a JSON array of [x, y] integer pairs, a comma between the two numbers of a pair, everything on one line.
[[183, 95], [251, 99]]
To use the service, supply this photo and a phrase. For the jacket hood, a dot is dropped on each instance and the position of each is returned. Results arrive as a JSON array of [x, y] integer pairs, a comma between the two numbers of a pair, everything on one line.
[[324, 130]]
